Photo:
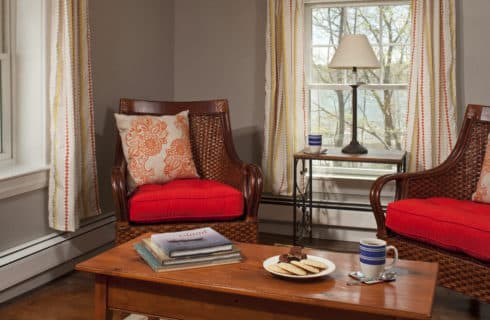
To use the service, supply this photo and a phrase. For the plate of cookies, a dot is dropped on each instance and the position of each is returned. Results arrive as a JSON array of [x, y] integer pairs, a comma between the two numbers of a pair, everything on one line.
[[298, 265]]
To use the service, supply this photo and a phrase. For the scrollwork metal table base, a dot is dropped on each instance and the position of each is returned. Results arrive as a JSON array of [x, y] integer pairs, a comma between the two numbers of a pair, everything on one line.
[[303, 189]]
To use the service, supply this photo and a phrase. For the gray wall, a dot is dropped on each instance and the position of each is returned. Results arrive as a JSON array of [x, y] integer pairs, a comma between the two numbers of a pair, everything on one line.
[[23, 218], [220, 53], [132, 55], [195, 49], [473, 52]]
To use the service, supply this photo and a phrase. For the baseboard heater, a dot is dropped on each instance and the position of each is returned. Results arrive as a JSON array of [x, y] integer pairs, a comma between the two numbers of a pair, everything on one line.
[[316, 203], [30, 260]]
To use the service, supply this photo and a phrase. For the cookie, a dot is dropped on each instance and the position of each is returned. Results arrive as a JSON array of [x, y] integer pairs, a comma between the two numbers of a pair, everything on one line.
[[276, 268], [314, 263], [305, 267], [292, 269]]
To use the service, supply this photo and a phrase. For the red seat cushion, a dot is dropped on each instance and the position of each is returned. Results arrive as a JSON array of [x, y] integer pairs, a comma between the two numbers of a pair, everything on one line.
[[457, 225], [185, 200]]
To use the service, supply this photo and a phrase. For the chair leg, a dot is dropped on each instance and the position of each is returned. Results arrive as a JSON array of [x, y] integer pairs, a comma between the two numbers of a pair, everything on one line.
[[119, 315], [474, 307]]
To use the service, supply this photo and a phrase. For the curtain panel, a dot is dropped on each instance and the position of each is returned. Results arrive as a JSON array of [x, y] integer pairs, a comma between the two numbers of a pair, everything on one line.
[[431, 114], [73, 190], [285, 109]]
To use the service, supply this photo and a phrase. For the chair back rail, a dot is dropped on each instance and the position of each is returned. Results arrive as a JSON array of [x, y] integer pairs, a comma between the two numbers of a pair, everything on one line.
[[458, 175], [212, 157]]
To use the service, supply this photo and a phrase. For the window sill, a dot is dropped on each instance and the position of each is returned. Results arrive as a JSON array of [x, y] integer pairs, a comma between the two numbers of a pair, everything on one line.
[[350, 176], [18, 179]]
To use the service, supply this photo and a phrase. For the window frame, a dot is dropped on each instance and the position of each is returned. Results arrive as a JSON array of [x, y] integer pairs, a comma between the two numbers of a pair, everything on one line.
[[20, 171], [7, 25], [322, 170]]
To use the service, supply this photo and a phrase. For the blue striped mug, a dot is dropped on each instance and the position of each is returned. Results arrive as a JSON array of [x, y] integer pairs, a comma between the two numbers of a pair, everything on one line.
[[372, 256], [314, 142]]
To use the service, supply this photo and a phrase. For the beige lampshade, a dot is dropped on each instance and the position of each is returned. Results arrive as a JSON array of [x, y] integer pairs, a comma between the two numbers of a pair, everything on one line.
[[354, 51]]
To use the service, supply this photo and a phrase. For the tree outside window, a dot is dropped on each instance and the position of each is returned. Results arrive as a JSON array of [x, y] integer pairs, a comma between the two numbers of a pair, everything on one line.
[[382, 101]]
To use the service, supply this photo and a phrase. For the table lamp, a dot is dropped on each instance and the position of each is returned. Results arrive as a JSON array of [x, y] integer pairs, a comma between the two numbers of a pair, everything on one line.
[[354, 52]]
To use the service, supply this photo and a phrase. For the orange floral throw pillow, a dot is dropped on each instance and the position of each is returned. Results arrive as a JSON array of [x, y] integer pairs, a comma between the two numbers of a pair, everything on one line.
[[482, 193], [157, 149]]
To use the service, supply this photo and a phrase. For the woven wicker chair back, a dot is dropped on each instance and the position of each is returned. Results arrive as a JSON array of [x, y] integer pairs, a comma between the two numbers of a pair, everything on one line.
[[465, 161], [210, 132]]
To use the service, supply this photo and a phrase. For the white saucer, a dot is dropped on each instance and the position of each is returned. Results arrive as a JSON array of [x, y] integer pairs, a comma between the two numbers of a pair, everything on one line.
[[319, 152]]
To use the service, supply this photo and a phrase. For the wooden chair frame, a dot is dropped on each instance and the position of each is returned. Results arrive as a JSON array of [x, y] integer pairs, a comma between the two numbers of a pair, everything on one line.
[[215, 159], [455, 178]]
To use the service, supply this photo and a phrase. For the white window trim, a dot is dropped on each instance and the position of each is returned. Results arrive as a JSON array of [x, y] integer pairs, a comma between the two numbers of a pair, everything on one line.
[[373, 86], [21, 177], [334, 3], [23, 181], [348, 173], [6, 80]]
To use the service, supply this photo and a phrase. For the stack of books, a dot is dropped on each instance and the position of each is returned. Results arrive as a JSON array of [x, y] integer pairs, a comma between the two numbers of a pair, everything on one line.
[[187, 249]]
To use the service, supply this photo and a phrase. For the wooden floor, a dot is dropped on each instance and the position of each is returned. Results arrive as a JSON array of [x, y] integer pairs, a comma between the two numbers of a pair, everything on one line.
[[71, 296]]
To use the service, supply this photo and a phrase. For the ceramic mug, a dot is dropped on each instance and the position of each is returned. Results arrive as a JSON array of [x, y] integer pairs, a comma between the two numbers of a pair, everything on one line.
[[314, 143], [372, 256]]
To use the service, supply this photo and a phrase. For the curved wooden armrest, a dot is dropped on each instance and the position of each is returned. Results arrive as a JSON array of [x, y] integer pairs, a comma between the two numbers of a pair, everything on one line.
[[247, 178], [440, 181], [254, 184], [119, 191], [375, 198]]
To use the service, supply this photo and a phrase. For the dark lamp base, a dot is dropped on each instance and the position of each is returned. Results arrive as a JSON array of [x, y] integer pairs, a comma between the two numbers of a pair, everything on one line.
[[354, 147]]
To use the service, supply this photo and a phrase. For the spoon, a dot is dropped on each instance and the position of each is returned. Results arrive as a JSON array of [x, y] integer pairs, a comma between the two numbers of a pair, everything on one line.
[[388, 276]]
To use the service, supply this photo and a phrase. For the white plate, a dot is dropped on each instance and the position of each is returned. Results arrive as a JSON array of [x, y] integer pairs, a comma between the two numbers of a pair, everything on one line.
[[275, 259]]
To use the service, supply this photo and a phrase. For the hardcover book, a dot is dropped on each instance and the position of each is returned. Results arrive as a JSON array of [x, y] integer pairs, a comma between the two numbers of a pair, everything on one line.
[[157, 267], [191, 242], [163, 259]]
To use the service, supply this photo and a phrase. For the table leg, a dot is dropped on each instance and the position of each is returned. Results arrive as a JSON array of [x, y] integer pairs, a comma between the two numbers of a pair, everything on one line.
[[404, 163], [310, 217], [101, 310], [295, 185]]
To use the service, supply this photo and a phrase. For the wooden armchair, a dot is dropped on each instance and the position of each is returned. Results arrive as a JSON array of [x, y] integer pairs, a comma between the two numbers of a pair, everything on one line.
[[455, 178], [215, 159]]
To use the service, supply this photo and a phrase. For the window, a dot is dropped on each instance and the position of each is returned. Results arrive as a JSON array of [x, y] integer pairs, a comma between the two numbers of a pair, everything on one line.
[[23, 90], [5, 105], [382, 100]]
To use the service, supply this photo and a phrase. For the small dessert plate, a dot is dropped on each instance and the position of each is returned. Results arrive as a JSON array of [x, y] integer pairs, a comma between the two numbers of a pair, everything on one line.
[[275, 259]]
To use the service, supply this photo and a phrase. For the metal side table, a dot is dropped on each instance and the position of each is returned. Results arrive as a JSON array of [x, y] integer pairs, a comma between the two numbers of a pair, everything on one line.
[[303, 197]]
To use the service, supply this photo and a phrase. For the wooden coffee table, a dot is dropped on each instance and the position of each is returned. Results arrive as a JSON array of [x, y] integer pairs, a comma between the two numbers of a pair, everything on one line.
[[245, 290]]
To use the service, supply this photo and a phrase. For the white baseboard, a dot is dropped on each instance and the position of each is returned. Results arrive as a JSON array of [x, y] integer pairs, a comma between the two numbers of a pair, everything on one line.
[[30, 265], [319, 231], [331, 224]]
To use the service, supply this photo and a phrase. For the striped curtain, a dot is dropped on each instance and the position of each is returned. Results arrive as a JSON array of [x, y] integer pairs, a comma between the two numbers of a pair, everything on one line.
[[431, 115], [285, 111], [73, 191]]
